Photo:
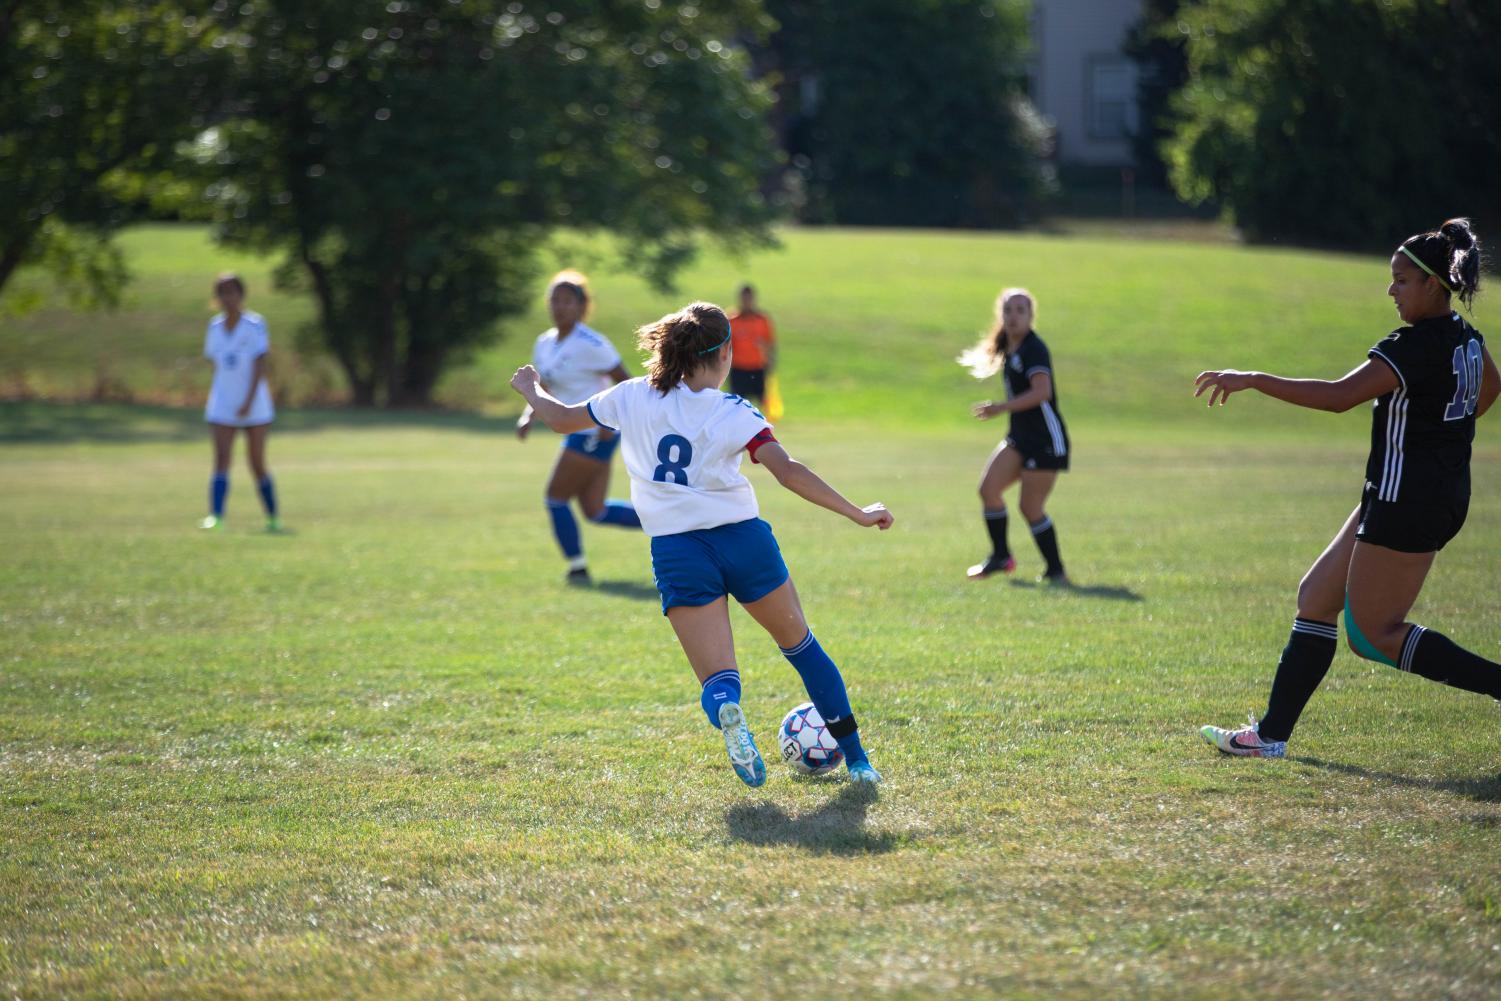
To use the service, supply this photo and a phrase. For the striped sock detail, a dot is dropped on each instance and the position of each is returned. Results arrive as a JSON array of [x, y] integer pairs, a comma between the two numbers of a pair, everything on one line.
[[1042, 526], [995, 515], [1312, 627], [721, 676], [799, 647], [1410, 647]]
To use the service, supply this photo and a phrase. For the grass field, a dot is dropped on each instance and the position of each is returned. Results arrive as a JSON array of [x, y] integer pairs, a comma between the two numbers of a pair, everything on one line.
[[390, 754]]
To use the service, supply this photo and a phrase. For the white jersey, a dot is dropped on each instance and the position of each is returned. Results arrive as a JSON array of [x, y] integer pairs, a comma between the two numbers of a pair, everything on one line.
[[683, 453], [575, 367], [233, 353]]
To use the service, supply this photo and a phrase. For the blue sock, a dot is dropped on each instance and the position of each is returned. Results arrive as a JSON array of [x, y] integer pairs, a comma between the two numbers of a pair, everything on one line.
[[565, 529], [218, 490], [825, 688], [719, 689], [268, 495], [618, 513]]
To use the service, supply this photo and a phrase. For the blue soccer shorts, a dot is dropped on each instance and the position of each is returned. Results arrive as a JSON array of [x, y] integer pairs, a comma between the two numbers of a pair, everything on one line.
[[694, 568]]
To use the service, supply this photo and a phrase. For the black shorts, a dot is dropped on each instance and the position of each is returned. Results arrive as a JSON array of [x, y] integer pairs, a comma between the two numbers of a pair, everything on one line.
[[1038, 454], [749, 383], [1410, 526]]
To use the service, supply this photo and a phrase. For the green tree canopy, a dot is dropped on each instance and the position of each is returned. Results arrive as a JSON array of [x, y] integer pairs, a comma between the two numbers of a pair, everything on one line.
[[411, 157], [1340, 121], [92, 90], [909, 112]]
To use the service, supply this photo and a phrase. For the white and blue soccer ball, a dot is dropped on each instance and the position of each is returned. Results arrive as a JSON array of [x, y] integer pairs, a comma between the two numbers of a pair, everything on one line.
[[806, 743]]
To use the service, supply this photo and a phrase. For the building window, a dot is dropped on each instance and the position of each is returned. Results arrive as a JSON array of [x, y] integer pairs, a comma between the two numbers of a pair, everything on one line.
[[1110, 97]]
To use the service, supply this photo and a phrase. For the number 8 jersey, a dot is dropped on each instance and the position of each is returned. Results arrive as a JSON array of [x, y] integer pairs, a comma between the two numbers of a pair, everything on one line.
[[1421, 431], [682, 451]]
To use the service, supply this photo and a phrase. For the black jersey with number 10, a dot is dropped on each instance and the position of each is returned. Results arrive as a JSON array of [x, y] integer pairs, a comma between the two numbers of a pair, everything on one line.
[[1421, 431]]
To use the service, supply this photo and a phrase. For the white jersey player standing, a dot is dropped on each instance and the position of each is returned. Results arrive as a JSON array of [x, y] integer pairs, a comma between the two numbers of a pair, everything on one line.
[[683, 441], [237, 343]]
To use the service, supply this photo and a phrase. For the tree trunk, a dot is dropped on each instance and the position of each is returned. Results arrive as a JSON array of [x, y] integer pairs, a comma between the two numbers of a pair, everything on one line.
[[12, 253]]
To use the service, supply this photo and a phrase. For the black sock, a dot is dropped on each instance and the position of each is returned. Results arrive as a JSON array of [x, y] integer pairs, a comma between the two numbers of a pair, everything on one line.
[[1305, 660], [995, 524], [1047, 544], [1438, 658]]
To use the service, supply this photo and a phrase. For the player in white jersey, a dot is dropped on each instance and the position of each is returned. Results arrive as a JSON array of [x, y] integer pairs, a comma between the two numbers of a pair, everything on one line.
[[237, 343], [575, 362], [683, 443]]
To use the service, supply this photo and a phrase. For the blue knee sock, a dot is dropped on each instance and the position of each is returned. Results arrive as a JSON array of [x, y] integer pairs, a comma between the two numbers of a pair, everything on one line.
[[825, 688], [218, 490], [268, 495], [565, 529], [718, 689], [617, 513]]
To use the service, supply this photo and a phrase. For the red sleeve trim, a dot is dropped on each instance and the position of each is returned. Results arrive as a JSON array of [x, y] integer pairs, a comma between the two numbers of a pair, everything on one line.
[[763, 437]]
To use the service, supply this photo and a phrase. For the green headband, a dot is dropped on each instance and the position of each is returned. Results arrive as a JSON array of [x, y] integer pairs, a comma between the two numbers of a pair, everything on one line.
[[1414, 258], [717, 346]]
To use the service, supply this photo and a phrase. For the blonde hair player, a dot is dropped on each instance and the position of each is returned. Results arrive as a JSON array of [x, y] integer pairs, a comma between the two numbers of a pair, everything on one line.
[[683, 440], [1036, 447]]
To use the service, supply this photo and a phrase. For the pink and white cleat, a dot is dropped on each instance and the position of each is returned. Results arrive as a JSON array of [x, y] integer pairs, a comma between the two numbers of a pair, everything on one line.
[[1245, 742]]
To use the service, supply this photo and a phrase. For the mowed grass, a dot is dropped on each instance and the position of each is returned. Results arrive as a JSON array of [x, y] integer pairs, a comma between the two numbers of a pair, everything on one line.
[[391, 754]]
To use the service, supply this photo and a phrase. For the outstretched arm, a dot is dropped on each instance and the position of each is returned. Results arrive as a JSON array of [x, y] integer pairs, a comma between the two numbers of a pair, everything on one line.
[[810, 487], [553, 412], [1361, 385]]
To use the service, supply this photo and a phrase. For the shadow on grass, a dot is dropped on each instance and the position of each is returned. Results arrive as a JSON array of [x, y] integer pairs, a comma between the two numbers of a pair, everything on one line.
[[1484, 789], [836, 828], [40, 423], [632, 589], [1106, 591]]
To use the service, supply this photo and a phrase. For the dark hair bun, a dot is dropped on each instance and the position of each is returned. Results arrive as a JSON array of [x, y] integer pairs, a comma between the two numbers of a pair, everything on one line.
[[1458, 232]]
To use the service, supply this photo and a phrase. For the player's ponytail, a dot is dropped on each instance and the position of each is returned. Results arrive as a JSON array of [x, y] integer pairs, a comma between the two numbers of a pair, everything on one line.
[[987, 356], [681, 343], [1464, 259], [1451, 254]]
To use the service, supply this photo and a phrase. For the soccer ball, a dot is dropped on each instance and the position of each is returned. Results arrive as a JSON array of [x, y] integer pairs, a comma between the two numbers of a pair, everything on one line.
[[806, 743]]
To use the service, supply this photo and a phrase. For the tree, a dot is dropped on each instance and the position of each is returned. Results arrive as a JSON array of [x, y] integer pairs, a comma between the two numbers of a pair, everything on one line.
[[409, 158], [909, 112], [1158, 43], [93, 90], [1346, 122]]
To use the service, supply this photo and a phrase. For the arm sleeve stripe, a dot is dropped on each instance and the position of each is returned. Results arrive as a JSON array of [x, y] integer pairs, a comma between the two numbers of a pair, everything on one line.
[[1376, 353], [595, 419]]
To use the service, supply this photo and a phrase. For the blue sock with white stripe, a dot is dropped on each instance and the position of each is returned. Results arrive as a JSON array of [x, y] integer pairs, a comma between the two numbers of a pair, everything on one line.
[[995, 524], [565, 529], [1305, 660], [1434, 656], [218, 490], [617, 513], [719, 688], [1046, 538], [825, 687], [268, 495]]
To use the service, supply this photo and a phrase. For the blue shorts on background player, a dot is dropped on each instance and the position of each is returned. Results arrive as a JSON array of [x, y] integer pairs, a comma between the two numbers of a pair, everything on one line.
[[574, 363], [683, 441]]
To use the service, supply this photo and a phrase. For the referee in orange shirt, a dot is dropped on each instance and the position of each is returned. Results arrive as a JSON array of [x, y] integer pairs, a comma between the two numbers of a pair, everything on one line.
[[755, 349]]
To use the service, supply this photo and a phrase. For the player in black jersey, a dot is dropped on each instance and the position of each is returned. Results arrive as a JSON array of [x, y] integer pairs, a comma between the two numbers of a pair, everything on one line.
[[1036, 446], [1431, 379]]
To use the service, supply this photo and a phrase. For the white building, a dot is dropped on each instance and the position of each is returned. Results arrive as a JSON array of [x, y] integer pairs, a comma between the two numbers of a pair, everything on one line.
[[1083, 81]]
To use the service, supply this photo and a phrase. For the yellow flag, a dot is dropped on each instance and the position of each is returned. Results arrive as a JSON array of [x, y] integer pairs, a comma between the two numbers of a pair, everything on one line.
[[773, 398]]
